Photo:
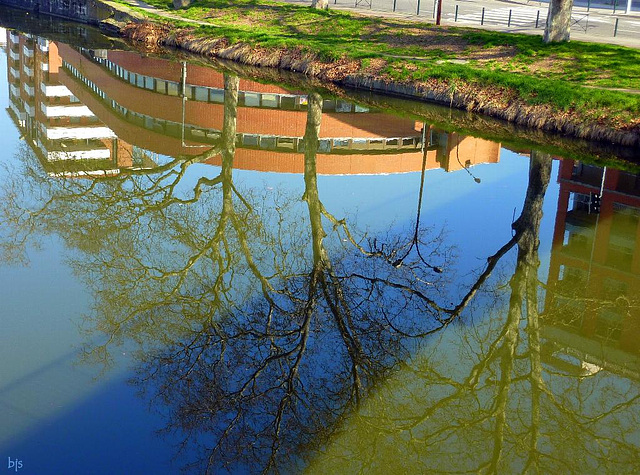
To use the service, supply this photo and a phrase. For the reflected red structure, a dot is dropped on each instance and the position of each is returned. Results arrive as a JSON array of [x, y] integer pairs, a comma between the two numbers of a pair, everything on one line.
[[594, 274], [125, 107]]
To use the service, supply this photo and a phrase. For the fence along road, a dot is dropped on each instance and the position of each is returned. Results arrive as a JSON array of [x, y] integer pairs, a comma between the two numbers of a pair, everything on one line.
[[595, 22]]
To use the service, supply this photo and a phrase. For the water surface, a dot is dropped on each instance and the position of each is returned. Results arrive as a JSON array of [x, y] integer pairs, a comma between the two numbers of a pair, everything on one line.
[[209, 272]]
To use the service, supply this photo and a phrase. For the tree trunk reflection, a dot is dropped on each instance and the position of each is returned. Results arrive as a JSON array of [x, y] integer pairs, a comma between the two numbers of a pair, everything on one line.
[[275, 336]]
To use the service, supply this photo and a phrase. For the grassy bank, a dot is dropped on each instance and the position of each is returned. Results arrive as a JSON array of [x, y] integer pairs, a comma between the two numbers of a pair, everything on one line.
[[488, 70]]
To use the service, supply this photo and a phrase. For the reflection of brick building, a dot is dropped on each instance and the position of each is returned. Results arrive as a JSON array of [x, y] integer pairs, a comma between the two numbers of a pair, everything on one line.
[[594, 274], [117, 106], [455, 152], [140, 97], [62, 130]]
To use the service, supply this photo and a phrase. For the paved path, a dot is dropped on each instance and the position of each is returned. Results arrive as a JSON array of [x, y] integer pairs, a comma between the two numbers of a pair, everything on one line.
[[151, 9]]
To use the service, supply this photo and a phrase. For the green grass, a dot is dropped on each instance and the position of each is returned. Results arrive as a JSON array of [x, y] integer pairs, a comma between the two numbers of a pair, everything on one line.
[[540, 73]]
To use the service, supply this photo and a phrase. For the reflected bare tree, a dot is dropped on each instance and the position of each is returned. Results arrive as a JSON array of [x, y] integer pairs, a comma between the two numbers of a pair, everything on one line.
[[199, 276], [264, 332], [283, 390], [497, 398], [262, 373]]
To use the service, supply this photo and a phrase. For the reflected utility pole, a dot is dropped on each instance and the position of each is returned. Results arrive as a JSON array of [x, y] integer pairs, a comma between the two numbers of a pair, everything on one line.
[[183, 92], [595, 228]]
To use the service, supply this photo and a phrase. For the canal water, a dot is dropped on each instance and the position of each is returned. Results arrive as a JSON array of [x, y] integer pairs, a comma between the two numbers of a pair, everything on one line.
[[215, 270]]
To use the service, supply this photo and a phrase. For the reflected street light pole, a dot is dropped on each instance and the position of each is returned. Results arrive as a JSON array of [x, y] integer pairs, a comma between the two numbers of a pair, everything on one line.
[[465, 167]]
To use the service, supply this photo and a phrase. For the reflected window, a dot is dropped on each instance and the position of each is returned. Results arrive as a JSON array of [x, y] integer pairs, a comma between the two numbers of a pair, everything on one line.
[[216, 95], [173, 89], [342, 106], [324, 145], [619, 256], [585, 173], [288, 102], [202, 94], [251, 140], [574, 276], [613, 289], [251, 99], [288, 143], [149, 83], [577, 240], [359, 144], [625, 220], [161, 86], [136, 118], [568, 301], [268, 143], [159, 126], [609, 323], [376, 144], [328, 105], [579, 202], [173, 128], [269, 100], [138, 155], [628, 183], [341, 143]]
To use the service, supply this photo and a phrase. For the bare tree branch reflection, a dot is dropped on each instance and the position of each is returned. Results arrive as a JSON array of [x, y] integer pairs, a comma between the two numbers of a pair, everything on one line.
[[274, 335], [493, 398]]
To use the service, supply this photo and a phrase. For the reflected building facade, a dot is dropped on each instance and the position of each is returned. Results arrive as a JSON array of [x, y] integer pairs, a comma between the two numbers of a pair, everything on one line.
[[125, 108], [64, 133], [594, 274]]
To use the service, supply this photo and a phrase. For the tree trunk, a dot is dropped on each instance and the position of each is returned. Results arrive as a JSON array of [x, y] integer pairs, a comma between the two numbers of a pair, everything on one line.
[[321, 4], [558, 21]]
